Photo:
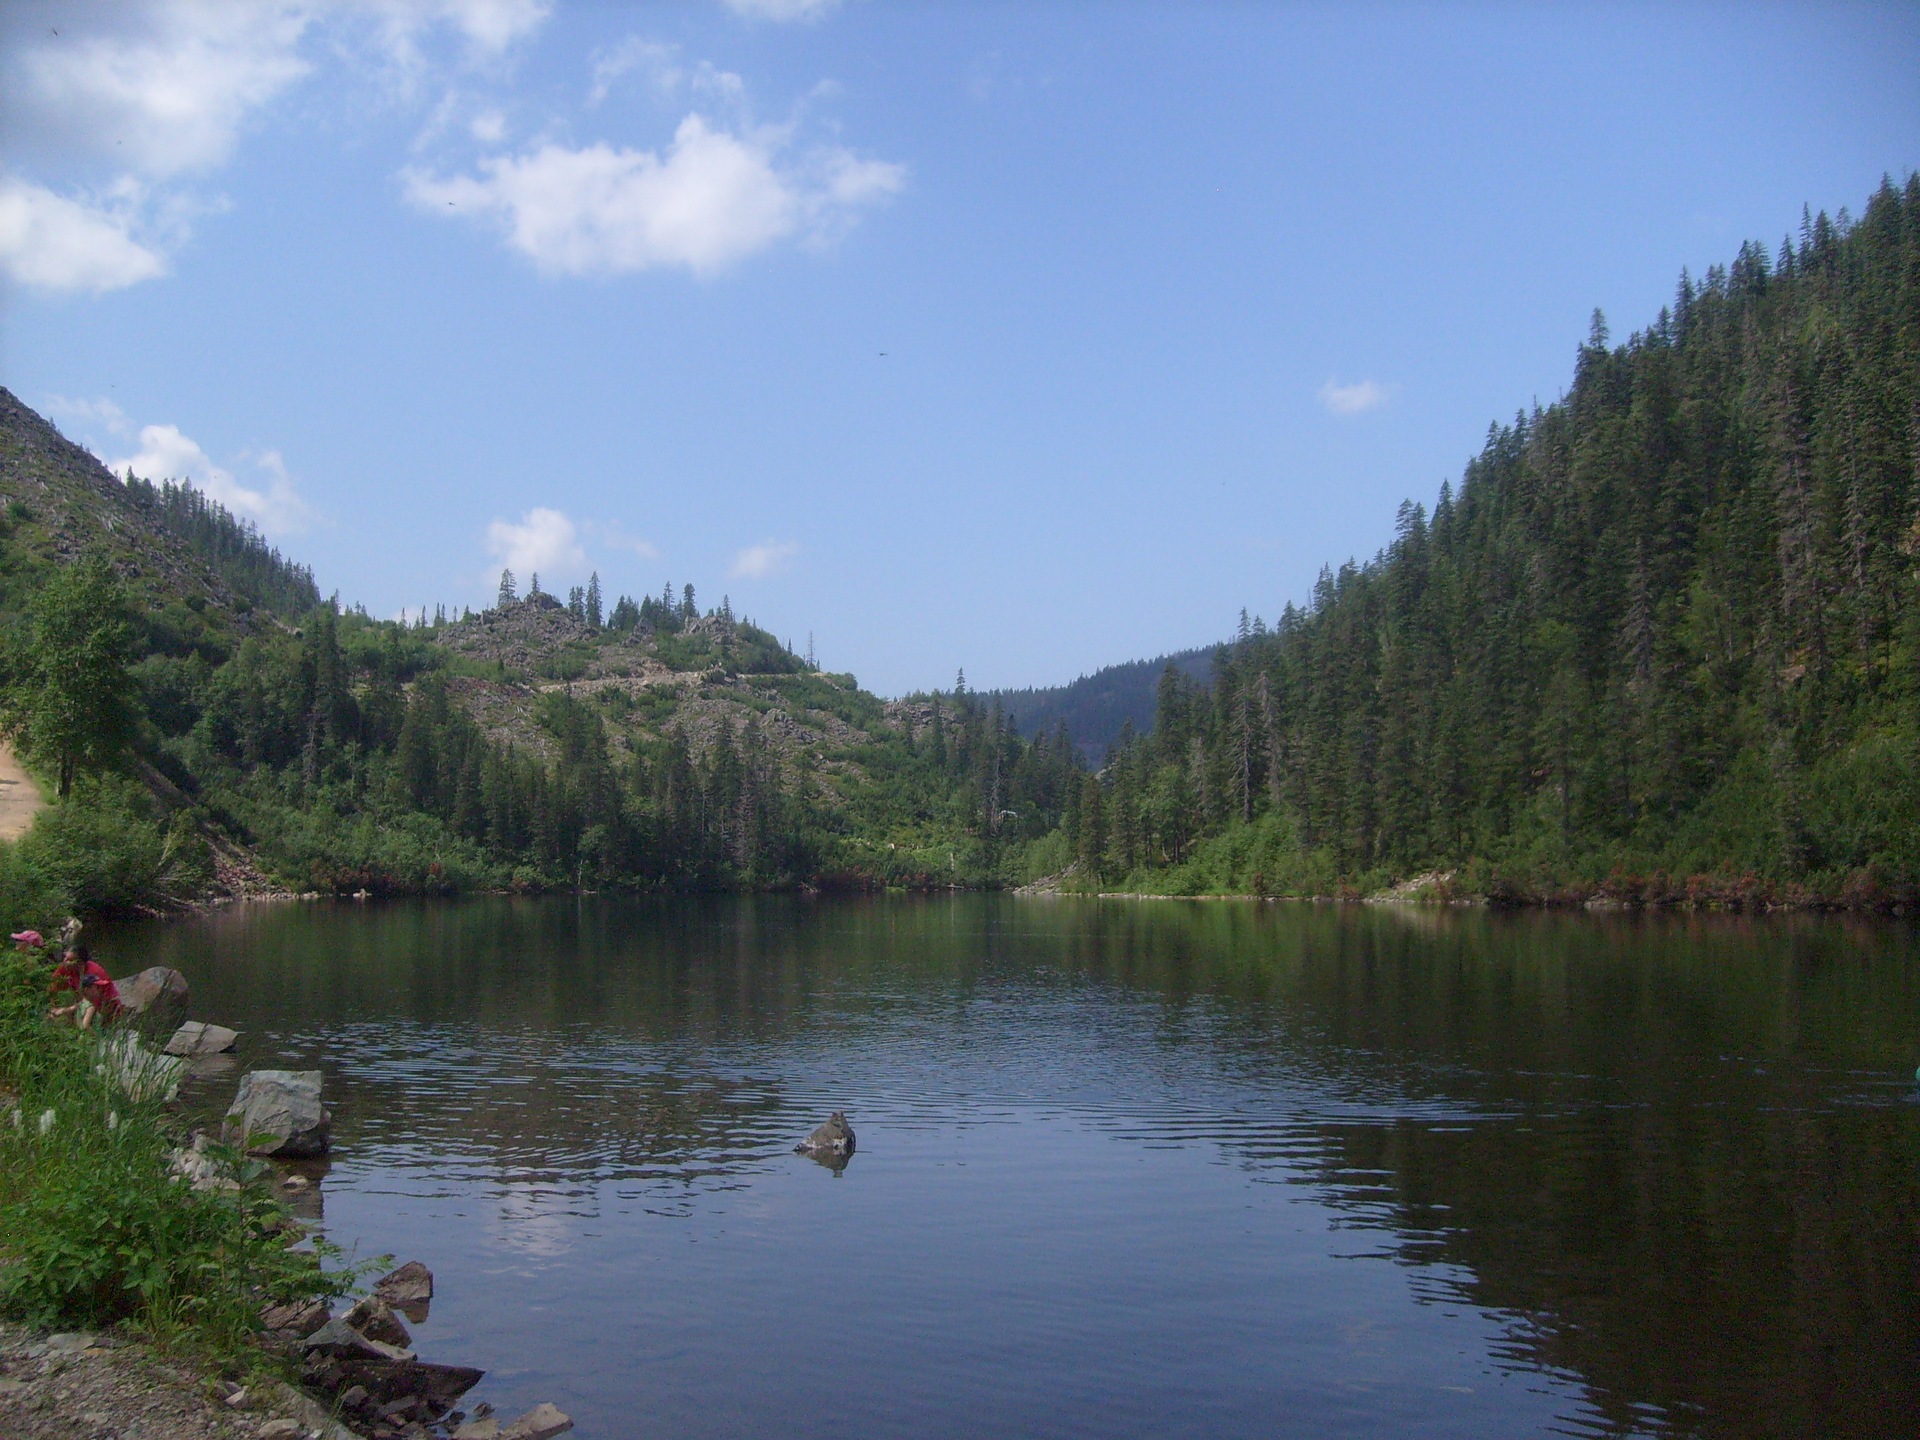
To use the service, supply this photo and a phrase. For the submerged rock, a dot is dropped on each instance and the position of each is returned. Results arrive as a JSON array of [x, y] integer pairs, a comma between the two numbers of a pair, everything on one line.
[[197, 1038], [834, 1139], [278, 1112]]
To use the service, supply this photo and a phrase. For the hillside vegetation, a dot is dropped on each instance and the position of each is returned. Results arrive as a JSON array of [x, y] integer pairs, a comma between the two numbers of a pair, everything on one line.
[[224, 727], [1663, 640], [1098, 709], [1660, 644]]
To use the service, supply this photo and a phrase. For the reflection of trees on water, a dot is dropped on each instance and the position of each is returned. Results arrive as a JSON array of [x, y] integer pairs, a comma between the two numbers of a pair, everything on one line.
[[1699, 1191], [1656, 1143]]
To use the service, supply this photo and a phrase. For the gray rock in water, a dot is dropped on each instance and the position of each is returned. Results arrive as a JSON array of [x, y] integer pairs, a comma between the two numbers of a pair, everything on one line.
[[834, 1138], [155, 999], [278, 1112], [542, 1422], [409, 1286], [197, 1038]]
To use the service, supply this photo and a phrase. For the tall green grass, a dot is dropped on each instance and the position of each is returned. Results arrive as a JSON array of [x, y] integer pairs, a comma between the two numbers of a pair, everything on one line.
[[95, 1230]]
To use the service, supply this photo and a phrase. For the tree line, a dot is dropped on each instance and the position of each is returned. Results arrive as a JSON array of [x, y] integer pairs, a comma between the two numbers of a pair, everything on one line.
[[1664, 627]]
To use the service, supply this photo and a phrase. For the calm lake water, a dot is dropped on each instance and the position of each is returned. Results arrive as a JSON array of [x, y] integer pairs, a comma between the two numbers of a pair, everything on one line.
[[1124, 1168]]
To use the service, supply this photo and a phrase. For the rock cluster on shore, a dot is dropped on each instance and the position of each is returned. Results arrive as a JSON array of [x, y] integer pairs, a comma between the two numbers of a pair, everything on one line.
[[360, 1364], [362, 1361]]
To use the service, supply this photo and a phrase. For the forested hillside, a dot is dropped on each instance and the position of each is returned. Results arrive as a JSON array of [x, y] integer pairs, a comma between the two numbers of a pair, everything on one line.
[[1098, 708], [1662, 638], [1661, 643], [208, 721]]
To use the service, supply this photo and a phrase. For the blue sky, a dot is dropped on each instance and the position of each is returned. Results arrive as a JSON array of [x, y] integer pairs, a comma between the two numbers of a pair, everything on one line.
[[1023, 338]]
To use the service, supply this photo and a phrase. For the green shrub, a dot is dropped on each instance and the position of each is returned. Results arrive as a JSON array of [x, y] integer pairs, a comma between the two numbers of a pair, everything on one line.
[[95, 1230], [102, 850]]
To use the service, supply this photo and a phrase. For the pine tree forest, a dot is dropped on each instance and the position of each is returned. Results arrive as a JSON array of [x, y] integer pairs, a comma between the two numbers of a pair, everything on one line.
[[1661, 642]]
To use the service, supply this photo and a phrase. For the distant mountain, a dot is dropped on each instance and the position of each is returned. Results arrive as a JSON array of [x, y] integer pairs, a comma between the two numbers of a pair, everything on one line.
[[1096, 706]]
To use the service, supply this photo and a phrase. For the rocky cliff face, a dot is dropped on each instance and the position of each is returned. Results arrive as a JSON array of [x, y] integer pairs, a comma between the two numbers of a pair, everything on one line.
[[57, 501]]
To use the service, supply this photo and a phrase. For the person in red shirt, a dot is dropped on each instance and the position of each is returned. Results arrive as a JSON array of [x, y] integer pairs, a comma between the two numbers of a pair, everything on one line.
[[79, 971]]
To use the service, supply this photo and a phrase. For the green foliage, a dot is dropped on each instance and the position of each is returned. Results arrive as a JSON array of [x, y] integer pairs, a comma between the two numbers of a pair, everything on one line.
[[68, 690], [102, 851], [233, 547], [1665, 627], [31, 897], [93, 1228]]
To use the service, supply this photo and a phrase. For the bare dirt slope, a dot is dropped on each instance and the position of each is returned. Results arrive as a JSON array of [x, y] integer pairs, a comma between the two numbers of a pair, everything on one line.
[[20, 798]]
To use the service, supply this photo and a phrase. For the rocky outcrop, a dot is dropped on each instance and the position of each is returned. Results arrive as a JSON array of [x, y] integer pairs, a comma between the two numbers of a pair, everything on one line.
[[197, 1038], [201, 1169], [278, 1112]]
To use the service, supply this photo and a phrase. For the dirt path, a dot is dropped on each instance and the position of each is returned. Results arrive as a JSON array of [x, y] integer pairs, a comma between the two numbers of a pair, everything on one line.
[[20, 798]]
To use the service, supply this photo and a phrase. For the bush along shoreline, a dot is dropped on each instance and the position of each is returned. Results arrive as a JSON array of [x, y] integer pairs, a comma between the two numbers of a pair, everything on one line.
[[119, 1221]]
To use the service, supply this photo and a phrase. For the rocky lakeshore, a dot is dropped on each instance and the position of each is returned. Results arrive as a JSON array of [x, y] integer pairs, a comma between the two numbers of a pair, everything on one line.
[[356, 1371]]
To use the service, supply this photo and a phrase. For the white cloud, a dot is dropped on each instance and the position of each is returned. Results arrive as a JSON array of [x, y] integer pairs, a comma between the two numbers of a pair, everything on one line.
[[166, 454], [52, 243], [489, 128], [783, 10], [542, 540], [658, 60], [712, 200], [758, 562], [125, 94], [156, 89], [1354, 399]]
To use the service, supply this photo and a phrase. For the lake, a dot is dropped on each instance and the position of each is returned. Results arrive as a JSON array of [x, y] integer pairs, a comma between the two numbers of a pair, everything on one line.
[[1123, 1168]]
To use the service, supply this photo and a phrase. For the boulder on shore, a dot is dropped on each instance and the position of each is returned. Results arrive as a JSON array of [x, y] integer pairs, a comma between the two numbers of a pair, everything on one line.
[[155, 999], [197, 1038], [832, 1139], [341, 1341], [278, 1112], [375, 1319]]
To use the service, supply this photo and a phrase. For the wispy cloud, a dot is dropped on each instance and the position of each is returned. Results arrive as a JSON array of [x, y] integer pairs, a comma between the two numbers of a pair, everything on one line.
[[713, 198], [614, 535], [759, 562], [542, 539], [97, 414], [273, 502], [783, 11], [1354, 399], [111, 112]]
